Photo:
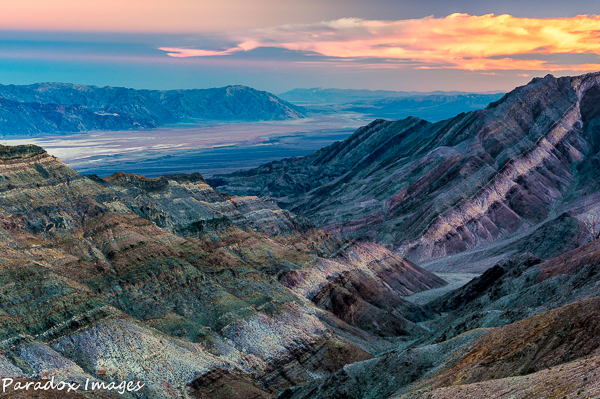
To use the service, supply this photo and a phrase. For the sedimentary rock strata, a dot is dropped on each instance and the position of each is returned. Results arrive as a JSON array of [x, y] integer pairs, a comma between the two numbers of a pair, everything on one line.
[[167, 281]]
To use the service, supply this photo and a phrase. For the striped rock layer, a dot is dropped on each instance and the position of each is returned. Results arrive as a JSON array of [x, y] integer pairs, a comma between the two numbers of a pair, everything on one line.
[[174, 284]]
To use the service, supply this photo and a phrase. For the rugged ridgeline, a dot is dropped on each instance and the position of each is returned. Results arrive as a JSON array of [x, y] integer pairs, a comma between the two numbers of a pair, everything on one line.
[[191, 291], [60, 107], [429, 190]]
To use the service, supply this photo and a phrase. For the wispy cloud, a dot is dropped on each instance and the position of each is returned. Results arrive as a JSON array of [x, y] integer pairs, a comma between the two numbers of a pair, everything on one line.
[[458, 41], [183, 52]]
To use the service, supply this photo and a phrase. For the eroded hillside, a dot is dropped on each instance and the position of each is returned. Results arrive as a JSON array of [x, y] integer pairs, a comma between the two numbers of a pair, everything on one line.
[[524, 329], [166, 280]]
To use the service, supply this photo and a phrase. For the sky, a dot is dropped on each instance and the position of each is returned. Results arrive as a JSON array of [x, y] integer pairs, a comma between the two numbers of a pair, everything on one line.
[[278, 45]]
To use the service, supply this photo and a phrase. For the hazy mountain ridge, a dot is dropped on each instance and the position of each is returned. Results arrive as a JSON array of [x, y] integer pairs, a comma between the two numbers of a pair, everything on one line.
[[60, 107], [432, 106], [343, 96]]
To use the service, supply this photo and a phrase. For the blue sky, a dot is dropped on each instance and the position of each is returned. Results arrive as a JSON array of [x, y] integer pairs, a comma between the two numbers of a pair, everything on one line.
[[280, 45]]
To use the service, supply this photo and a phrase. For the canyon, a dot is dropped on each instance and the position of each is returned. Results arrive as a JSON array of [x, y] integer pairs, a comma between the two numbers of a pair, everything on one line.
[[295, 279]]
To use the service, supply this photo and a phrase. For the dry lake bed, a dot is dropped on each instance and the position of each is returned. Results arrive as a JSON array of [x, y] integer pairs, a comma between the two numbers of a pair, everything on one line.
[[208, 147]]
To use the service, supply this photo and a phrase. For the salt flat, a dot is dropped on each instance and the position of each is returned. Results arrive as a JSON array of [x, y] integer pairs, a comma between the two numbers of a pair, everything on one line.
[[206, 147]]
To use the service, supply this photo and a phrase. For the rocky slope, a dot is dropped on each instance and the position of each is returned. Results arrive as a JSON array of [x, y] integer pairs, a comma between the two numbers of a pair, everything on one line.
[[429, 190], [175, 284], [554, 354], [516, 289], [59, 107], [551, 349]]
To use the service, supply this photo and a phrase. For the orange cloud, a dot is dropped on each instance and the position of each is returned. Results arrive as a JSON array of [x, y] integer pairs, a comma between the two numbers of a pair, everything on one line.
[[458, 41]]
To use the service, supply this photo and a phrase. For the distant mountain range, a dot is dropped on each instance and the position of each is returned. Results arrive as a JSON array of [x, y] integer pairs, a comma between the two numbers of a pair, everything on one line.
[[61, 107], [319, 95], [433, 106], [54, 108]]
